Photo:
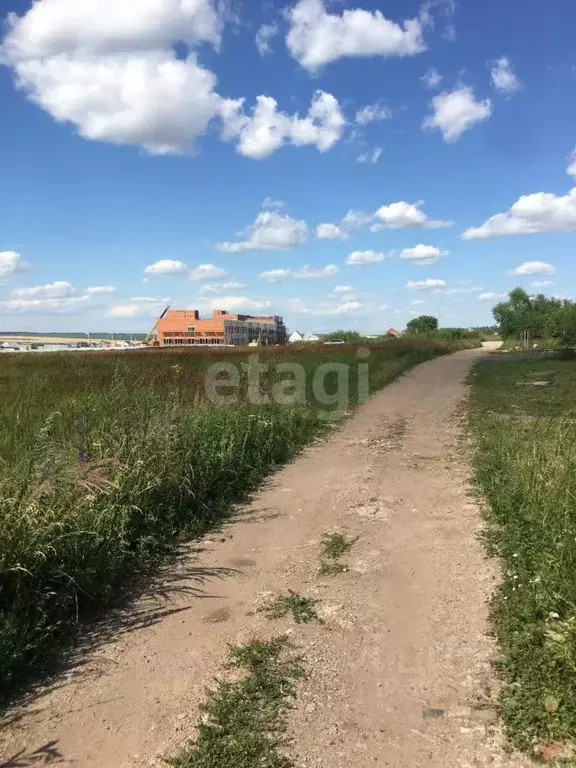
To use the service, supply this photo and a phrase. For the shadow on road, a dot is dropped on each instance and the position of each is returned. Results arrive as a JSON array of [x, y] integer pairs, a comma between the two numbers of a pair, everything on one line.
[[43, 756]]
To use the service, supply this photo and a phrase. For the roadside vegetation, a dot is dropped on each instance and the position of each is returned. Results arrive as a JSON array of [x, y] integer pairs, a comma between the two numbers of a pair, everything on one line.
[[523, 418], [302, 609], [334, 545], [542, 317], [243, 723], [107, 460], [424, 326]]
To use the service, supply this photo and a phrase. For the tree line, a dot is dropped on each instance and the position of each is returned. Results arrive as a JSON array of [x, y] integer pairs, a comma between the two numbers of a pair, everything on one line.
[[544, 317]]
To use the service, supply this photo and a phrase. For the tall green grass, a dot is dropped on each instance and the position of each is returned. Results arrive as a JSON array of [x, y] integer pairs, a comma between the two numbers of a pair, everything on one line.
[[108, 460], [525, 463]]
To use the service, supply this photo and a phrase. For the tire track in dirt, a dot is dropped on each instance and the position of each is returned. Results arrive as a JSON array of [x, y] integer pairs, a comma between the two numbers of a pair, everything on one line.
[[399, 673]]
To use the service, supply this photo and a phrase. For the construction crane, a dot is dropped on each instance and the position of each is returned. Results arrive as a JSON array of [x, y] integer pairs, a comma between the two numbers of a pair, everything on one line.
[[149, 341]]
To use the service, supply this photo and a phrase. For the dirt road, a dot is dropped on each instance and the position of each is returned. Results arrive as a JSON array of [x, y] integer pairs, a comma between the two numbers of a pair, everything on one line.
[[399, 673]]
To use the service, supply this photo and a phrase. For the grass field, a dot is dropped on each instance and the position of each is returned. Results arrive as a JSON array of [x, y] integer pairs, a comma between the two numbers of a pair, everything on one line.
[[109, 460], [525, 433]]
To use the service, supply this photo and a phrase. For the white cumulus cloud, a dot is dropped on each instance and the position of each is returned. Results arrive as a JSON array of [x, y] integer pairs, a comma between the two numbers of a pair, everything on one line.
[[298, 306], [167, 267], [240, 303], [10, 264], [542, 283], [45, 306], [503, 78], [534, 268], [426, 285], [100, 290], [220, 288], [423, 255], [365, 257], [370, 157], [454, 112], [530, 214], [138, 307], [432, 78], [343, 289], [305, 273], [58, 290], [53, 27], [316, 37], [490, 296], [372, 113], [571, 169], [403, 215], [330, 232], [265, 34], [266, 129], [109, 69], [206, 272], [271, 231], [270, 203], [173, 267], [399, 215], [151, 99]]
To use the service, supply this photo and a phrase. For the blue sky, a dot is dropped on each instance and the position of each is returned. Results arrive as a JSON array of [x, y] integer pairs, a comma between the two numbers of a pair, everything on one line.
[[434, 139]]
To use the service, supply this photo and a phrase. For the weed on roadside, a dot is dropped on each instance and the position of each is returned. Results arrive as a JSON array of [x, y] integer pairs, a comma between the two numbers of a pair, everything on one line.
[[525, 464], [334, 546], [331, 568], [337, 544], [302, 609], [243, 724]]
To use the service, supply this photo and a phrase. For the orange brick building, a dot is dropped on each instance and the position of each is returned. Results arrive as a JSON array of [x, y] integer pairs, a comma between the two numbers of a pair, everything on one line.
[[179, 327]]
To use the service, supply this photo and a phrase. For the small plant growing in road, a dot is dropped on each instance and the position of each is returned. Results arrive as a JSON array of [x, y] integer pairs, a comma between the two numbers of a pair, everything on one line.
[[244, 722], [331, 568], [301, 608], [337, 544], [334, 546]]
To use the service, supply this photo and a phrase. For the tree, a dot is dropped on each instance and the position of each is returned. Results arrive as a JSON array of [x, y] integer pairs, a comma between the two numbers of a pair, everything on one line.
[[542, 316], [423, 324]]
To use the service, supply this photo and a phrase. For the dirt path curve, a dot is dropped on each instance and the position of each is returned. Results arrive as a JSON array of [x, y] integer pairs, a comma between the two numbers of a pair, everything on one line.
[[399, 674]]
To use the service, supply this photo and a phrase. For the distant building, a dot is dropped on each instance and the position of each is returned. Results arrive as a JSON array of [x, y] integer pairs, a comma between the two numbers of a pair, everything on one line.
[[178, 327], [296, 336], [393, 332]]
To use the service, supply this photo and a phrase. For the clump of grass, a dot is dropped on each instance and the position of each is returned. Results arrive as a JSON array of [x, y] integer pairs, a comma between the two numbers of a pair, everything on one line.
[[330, 568], [337, 544], [334, 545], [526, 468], [302, 609], [244, 722]]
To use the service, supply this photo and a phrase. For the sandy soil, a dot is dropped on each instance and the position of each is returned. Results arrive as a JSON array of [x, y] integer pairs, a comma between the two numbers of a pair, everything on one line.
[[399, 674]]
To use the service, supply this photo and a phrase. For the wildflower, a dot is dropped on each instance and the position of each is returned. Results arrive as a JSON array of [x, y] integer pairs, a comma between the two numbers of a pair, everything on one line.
[[554, 615], [83, 457], [515, 554], [177, 369]]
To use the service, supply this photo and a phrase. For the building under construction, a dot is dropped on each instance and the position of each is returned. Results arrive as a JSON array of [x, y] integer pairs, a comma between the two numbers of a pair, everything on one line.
[[178, 327]]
